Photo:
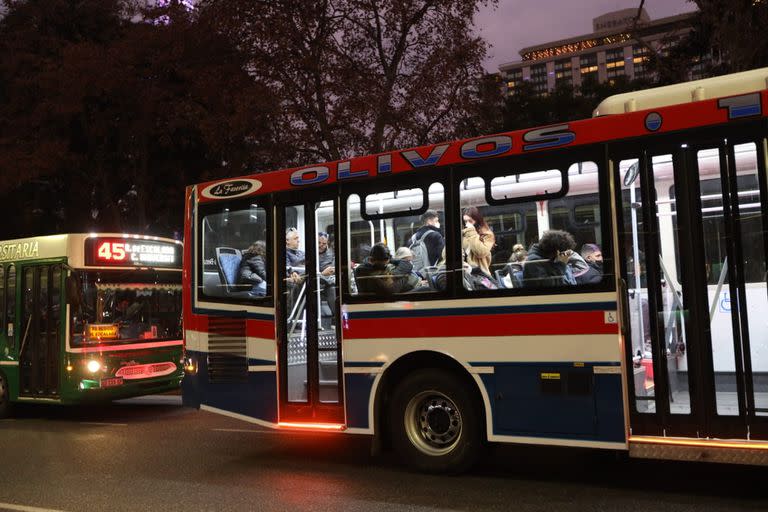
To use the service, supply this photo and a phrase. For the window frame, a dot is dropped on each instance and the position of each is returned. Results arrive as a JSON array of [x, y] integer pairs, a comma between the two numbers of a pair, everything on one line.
[[398, 181], [203, 210], [542, 160]]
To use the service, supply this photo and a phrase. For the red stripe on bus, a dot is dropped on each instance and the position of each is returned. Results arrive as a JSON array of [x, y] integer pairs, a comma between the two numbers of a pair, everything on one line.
[[521, 324], [260, 329]]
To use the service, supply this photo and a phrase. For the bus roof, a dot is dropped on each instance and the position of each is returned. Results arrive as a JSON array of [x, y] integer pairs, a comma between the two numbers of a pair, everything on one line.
[[696, 90]]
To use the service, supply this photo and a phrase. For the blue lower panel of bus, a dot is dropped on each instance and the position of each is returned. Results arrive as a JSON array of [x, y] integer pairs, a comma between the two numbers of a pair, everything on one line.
[[556, 400], [358, 388], [255, 397]]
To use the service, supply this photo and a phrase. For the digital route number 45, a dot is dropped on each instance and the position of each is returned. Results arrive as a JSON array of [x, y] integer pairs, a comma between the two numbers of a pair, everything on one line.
[[114, 251]]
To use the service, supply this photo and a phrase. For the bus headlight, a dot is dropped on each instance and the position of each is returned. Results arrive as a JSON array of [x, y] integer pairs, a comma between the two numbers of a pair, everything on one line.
[[93, 366]]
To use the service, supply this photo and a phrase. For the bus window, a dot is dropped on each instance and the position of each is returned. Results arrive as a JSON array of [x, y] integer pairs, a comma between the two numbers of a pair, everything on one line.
[[505, 224], [114, 309], [10, 305], [395, 243], [234, 257]]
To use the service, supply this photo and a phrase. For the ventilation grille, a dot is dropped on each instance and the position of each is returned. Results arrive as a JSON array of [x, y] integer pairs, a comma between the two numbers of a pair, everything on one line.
[[227, 350]]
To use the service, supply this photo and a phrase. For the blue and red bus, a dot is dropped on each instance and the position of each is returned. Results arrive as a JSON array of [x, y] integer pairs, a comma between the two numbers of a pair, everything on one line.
[[599, 283]]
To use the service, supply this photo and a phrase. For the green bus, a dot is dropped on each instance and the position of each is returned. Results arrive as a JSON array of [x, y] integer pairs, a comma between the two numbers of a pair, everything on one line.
[[89, 317]]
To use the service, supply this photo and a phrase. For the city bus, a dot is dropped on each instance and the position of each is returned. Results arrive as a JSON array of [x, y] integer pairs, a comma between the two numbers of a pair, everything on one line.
[[89, 318], [663, 353]]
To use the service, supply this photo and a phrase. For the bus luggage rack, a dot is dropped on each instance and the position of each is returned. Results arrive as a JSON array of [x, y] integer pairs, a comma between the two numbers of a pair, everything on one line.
[[297, 348]]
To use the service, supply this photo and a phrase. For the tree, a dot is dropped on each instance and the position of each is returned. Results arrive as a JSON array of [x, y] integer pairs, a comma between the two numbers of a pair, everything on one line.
[[361, 76], [737, 28], [112, 118]]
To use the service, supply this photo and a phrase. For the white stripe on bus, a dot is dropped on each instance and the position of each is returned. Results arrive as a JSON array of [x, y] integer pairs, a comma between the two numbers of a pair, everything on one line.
[[479, 302]]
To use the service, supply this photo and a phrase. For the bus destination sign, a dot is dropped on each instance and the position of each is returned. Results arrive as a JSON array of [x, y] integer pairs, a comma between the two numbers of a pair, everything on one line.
[[131, 252]]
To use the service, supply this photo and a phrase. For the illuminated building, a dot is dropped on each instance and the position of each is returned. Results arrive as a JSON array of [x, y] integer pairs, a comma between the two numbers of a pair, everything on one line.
[[609, 52]]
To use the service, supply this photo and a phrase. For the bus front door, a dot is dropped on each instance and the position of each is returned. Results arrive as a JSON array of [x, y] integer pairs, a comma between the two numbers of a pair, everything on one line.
[[692, 236], [39, 331], [309, 336]]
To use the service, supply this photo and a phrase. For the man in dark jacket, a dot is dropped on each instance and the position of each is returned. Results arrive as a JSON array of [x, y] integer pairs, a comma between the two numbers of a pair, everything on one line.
[[427, 243], [594, 258], [379, 274], [547, 262]]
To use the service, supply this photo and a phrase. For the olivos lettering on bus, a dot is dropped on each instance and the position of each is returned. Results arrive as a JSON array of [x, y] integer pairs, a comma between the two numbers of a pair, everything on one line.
[[486, 147], [19, 251]]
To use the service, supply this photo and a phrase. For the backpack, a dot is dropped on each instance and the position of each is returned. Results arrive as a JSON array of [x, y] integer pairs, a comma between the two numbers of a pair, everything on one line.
[[420, 252]]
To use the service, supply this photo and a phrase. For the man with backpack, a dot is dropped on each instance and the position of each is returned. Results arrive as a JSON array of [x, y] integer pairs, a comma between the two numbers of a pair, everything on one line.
[[427, 243]]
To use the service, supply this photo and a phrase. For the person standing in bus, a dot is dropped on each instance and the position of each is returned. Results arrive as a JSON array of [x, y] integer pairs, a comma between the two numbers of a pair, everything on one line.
[[253, 268], [326, 265], [477, 240], [547, 262], [427, 242]]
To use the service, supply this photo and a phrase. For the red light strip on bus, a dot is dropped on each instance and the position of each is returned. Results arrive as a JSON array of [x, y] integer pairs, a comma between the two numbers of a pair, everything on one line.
[[312, 426], [744, 445]]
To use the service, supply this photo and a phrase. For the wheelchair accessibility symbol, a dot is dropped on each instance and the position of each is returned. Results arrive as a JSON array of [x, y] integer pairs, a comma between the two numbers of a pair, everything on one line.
[[725, 303]]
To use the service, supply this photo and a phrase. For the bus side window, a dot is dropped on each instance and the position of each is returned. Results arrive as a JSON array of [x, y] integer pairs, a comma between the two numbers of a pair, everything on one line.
[[531, 228], [395, 242], [10, 305], [235, 254]]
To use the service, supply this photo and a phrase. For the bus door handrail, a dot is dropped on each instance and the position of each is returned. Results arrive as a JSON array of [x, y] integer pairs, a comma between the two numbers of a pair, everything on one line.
[[716, 299], [676, 299], [26, 335]]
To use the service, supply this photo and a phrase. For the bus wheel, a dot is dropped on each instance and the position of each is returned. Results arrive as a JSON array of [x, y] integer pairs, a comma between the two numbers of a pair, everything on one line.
[[5, 397], [434, 422]]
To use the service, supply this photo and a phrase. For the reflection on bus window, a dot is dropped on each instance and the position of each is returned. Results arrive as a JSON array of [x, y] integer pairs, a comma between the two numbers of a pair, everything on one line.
[[391, 250], [530, 237], [235, 254], [111, 309]]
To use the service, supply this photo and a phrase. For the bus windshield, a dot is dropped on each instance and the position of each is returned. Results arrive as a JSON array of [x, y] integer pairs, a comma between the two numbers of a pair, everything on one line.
[[119, 308]]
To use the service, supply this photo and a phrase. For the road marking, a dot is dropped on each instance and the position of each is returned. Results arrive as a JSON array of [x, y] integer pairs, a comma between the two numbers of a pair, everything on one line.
[[24, 508], [103, 424]]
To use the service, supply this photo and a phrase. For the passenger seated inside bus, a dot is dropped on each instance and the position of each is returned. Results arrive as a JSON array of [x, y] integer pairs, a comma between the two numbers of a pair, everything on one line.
[[593, 256], [381, 275], [295, 259], [552, 261], [253, 268], [437, 278]]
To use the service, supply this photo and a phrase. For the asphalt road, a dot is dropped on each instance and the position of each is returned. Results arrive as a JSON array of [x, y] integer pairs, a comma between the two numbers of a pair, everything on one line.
[[151, 454]]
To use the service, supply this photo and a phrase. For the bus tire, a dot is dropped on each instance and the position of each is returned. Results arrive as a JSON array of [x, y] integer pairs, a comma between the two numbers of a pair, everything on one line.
[[435, 423], [5, 397]]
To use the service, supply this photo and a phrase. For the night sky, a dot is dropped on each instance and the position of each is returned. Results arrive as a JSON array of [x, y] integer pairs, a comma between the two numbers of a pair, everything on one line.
[[516, 24]]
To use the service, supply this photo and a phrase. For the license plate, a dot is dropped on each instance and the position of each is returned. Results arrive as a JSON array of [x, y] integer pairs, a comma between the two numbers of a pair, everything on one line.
[[112, 382]]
